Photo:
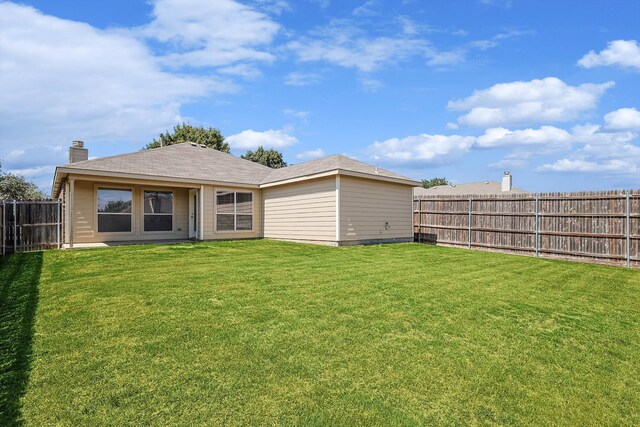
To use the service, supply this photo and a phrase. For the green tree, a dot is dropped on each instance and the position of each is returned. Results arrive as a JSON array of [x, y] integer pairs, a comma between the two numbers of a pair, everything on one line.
[[184, 132], [433, 182], [15, 187], [271, 158]]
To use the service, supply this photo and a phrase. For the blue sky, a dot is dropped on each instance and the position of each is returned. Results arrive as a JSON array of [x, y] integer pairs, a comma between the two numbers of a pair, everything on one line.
[[549, 90]]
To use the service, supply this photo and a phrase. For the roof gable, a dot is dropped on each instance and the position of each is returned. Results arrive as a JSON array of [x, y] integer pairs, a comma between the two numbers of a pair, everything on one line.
[[195, 162], [185, 160], [326, 164]]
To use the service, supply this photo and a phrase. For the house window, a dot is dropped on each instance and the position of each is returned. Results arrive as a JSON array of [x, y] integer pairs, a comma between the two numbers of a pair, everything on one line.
[[158, 211], [234, 211], [114, 210]]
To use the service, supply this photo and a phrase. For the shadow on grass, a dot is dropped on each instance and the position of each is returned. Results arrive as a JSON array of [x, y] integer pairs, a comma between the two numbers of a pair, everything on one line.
[[19, 278]]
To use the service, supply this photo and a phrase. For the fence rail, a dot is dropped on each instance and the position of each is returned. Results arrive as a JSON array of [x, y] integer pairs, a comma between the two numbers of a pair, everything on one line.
[[30, 225], [589, 226]]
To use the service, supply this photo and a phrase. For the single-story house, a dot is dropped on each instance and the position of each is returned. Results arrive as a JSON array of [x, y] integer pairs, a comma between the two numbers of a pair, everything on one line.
[[189, 191], [482, 187]]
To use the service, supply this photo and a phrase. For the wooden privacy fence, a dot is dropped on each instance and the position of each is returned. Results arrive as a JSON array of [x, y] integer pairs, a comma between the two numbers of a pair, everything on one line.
[[589, 226], [30, 225]]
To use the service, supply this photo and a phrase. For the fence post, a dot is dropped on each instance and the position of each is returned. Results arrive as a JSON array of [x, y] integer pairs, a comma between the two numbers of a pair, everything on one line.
[[419, 220], [537, 226], [58, 220], [628, 232], [469, 222], [15, 228], [4, 226]]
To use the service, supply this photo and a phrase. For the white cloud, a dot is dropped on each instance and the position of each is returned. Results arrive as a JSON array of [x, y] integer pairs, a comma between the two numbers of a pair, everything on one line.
[[504, 3], [614, 153], [409, 27], [623, 119], [302, 115], [422, 149], [211, 33], [623, 53], [516, 160], [365, 54], [244, 71], [368, 8], [535, 101], [96, 85], [296, 78], [370, 85], [593, 134], [446, 58], [274, 6], [568, 165], [311, 154], [251, 139], [545, 135], [495, 40]]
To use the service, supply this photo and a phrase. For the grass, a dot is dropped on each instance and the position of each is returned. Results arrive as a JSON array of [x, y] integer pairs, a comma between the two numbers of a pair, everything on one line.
[[261, 332]]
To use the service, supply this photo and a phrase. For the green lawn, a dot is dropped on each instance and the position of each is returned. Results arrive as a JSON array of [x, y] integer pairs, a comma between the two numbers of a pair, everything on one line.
[[261, 332]]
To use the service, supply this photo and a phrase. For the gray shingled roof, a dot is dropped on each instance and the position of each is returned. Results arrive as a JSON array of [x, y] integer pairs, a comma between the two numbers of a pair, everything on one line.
[[483, 187], [195, 162], [327, 164], [185, 160]]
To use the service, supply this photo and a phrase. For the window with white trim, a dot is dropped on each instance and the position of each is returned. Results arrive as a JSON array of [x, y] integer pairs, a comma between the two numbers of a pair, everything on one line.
[[234, 211], [114, 210], [158, 210]]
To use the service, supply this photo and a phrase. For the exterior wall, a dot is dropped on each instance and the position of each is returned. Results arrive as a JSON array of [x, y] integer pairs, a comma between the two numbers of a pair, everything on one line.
[[304, 211], [366, 205], [210, 232], [84, 213], [83, 206]]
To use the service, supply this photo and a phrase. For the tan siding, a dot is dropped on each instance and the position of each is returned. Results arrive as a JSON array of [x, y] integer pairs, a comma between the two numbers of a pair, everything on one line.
[[83, 212], [301, 211], [365, 206], [84, 215], [210, 232]]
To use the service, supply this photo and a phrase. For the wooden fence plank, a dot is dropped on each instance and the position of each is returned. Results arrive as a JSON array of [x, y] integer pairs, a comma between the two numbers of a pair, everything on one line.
[[30, 225], [601, 226]]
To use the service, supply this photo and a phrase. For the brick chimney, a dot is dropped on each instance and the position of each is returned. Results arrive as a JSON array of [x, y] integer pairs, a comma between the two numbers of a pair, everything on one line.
[[507, 181], [77, 152]]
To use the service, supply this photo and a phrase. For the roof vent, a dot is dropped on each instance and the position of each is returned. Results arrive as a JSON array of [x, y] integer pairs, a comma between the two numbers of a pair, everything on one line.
[[202, 146], [376, 170]]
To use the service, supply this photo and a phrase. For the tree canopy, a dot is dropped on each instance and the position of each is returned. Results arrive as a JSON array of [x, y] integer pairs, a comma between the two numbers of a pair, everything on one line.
[[16, 187], [185, 132], [271, 158], [433, 182]]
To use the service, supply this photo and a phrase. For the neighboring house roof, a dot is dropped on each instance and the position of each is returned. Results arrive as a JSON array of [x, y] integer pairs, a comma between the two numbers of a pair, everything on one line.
[[483, 187], [197, 163]]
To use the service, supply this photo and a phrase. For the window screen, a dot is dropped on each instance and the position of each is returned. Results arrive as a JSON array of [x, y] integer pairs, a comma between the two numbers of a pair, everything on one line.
[[234, 211], [114, 210], [158, 211]]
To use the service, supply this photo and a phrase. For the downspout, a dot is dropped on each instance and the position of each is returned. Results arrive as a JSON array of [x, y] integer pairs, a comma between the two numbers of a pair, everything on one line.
[[70, 211], [338, 209], [201, 228]]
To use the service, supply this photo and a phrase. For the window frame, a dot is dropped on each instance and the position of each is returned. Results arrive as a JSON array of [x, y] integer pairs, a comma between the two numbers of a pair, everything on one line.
[[172, 214], [235, 210], [131, 214]]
